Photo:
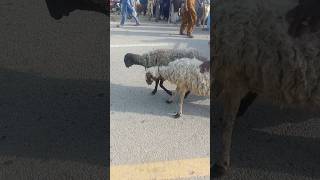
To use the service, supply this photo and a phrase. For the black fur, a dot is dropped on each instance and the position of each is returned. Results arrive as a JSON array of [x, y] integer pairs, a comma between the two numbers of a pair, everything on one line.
[[305, 17], [60, 8]]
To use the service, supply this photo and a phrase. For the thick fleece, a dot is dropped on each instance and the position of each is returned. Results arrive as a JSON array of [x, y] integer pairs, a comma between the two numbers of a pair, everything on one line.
[[254, 53], [160, 57], [185, 73]]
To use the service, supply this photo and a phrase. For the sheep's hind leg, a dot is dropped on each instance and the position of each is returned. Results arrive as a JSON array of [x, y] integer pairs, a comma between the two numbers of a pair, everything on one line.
[[155, 88], [246, 102], [181, 98], [165, 89], [186, 95], [231, 103]]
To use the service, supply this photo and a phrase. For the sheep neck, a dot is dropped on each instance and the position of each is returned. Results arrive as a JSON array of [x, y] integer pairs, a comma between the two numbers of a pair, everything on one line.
[[141, 60], [159, 74]]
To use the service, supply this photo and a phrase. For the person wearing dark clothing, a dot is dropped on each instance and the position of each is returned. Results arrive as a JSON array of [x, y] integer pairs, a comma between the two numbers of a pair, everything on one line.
[[157, 9], [144, 4], [165, 9]]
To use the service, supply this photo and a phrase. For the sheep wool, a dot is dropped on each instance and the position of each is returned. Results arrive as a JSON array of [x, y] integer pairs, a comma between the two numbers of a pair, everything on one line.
[[252, 47], [185, 73], [161, 57], [254, 53]]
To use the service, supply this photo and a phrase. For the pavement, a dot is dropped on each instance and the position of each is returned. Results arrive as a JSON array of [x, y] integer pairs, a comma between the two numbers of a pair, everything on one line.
[[53, 93], [146, 142]]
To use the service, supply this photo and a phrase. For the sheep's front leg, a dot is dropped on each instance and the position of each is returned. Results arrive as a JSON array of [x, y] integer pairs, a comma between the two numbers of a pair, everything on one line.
[[170, 100], [155, 88], [181, 98], [231, 103], [165, 89]]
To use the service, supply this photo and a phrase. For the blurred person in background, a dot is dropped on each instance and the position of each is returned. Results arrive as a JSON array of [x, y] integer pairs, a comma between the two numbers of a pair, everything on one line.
[[150, 8], [165, 9], [156, 8], [189, 18], [144, 4], [199, 10], [127, 8]]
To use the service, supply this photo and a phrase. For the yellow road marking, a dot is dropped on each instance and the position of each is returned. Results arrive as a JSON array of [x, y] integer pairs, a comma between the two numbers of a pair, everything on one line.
[[162, 170]]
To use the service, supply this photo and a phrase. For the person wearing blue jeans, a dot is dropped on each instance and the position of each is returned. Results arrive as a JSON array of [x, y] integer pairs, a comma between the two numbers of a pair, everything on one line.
[[128, 9]]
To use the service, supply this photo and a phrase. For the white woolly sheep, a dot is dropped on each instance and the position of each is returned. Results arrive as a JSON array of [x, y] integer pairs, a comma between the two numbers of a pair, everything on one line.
[[185, 73], [254, 53]]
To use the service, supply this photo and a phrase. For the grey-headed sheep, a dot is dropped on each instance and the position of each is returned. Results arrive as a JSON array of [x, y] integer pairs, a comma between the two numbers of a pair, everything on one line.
[[185, 73], [254, 54], [160, 57]]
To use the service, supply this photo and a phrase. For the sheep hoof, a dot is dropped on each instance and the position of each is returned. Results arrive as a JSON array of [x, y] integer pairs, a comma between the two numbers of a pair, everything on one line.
[[169, 101], [177, 115], [218, 171], [153, 92]]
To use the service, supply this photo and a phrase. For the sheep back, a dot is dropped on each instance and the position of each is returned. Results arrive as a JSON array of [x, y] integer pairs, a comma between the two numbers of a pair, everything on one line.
[[185, 73], [162, 57]]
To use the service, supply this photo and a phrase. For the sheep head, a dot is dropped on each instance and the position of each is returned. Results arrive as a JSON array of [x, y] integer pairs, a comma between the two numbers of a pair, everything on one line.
[[132, 59], [152, 75], [149, 78], [304, 17]]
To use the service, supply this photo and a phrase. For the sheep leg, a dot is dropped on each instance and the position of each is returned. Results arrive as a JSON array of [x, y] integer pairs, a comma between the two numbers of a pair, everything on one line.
[[186, 95], [246, 102], [165, 89], [181, 98], [170, 100], [155, 88], [231, 103]]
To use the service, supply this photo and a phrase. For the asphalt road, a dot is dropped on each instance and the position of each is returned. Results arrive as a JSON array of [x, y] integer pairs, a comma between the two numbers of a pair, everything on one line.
[[53, 93], [141, 127]]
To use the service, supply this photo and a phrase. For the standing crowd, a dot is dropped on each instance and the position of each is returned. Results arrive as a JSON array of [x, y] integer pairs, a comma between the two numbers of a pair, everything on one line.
[[190, 12]]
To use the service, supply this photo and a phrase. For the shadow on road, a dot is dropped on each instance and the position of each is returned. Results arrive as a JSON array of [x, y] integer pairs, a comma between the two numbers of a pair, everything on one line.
[[47, 118], [139, 100], [274, 140], [60, 8]]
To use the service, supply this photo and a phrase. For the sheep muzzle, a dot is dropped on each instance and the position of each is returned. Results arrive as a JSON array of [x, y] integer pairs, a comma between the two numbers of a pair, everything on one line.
[[131, 59], [149, 78]]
